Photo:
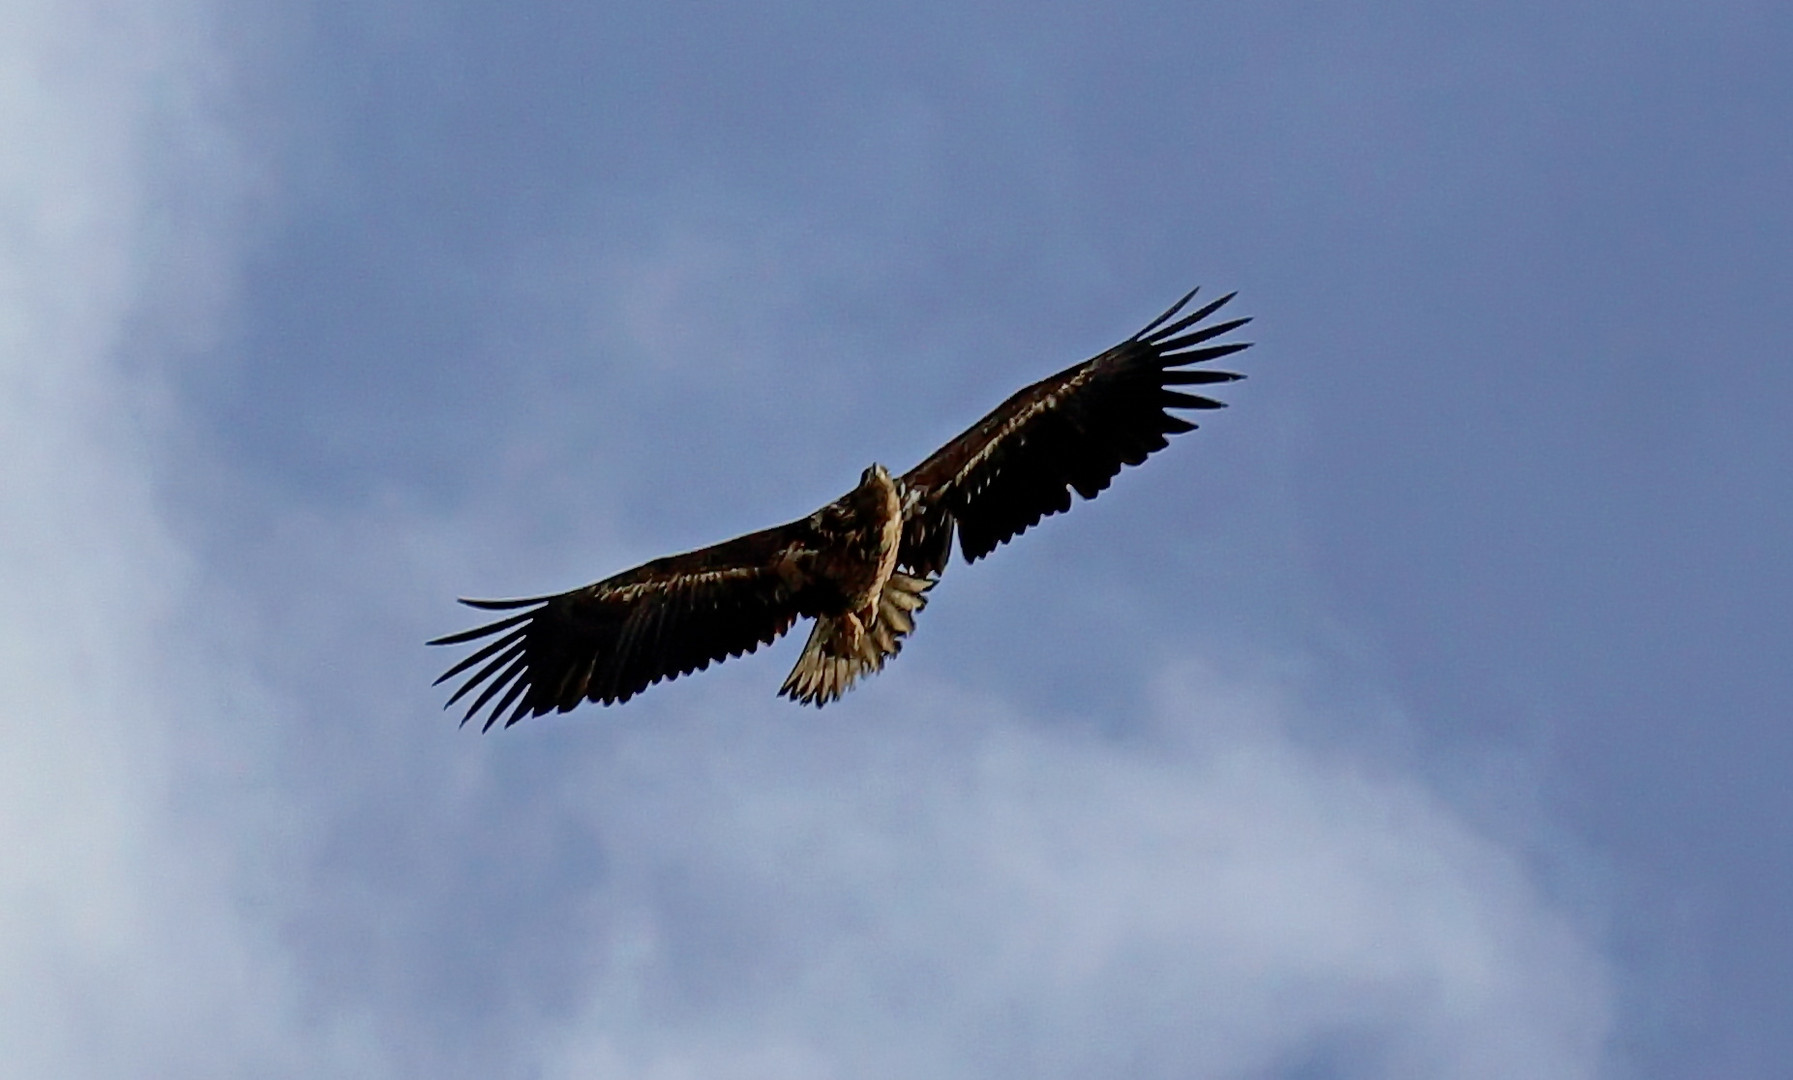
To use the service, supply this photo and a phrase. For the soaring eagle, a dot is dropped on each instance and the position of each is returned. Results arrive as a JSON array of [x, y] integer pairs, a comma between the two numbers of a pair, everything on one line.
[[861, 566]]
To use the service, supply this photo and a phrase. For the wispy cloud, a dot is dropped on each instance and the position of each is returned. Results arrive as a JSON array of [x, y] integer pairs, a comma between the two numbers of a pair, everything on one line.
[[122, 950], [947, 888]]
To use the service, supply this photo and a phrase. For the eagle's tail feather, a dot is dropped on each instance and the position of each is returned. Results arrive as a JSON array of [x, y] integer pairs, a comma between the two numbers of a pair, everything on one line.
[[832, 662]]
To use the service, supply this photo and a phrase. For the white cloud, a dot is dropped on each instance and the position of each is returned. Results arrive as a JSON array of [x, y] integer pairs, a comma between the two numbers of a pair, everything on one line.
[[122, 952], [948, 890]]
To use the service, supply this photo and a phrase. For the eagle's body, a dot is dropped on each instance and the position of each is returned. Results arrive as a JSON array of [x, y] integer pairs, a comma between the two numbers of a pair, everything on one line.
[[868, 522], [860, 566]]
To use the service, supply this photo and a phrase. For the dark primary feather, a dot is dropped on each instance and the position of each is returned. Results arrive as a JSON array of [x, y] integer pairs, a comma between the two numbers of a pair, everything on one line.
[[1072, 431], [611, 640]]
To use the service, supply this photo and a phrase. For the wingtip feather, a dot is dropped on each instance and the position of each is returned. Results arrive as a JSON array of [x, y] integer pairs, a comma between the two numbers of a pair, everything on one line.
[[503, 605], [481, 631], [1161, 336], [1168, 313]]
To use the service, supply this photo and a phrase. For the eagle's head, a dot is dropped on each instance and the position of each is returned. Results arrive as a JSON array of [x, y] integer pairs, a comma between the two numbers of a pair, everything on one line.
[[877, 491]]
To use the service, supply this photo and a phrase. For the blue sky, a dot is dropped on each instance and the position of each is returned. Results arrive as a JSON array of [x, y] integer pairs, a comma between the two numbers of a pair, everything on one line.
[[1423, 715]]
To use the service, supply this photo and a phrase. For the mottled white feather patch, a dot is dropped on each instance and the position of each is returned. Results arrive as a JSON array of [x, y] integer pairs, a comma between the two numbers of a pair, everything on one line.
[[832, 661]]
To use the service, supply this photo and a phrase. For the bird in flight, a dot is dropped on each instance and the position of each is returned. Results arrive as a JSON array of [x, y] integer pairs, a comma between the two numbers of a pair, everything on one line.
[[860, 567]]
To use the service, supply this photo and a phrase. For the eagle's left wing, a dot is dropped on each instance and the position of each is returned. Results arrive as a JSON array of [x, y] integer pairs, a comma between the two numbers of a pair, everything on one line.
[[613, 639], [1072, 431]]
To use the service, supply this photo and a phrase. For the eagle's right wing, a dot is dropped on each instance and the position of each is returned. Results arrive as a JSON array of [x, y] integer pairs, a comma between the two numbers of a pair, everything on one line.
[[611, 640]]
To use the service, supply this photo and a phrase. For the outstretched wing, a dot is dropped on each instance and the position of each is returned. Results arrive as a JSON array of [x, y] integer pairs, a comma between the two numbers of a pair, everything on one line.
[[609, 641], [1072, 431]]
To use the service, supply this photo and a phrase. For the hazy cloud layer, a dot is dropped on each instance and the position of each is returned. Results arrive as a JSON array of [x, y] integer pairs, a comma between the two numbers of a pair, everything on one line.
[[940, 887], [944, 888], [121, 946]]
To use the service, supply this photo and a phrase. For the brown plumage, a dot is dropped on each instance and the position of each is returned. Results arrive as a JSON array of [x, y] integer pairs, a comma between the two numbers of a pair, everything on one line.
[[861, 566]]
